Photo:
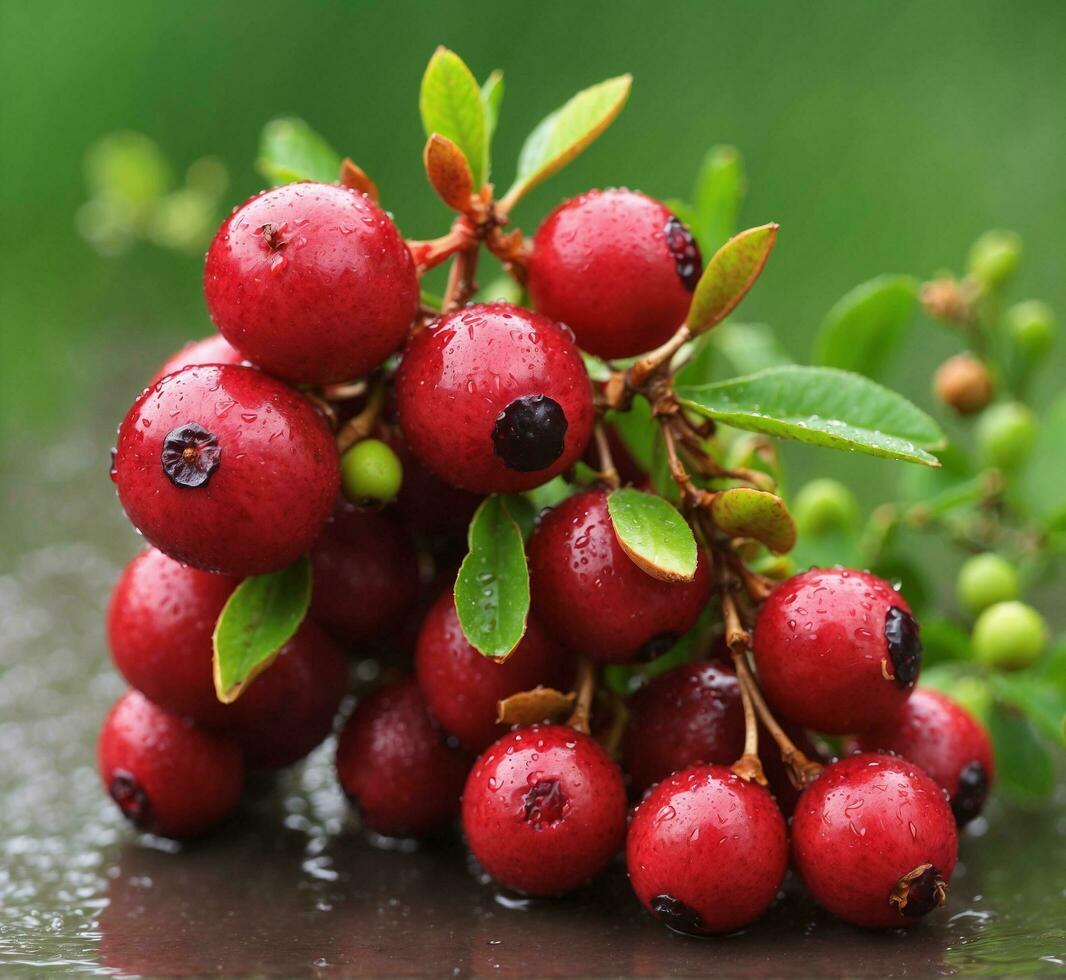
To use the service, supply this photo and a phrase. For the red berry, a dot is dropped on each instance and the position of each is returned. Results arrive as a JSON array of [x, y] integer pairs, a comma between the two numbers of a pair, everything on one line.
[[874, 840], [396, 767], [837, 650], [707, 851], [365, 573], [312, 282], [544, 809], [461, 686], [427, 504], [290, 707], [590, 595], [618, 268], [494, 398], [947, 742], [226, 469], [166, 774], [211, 350]]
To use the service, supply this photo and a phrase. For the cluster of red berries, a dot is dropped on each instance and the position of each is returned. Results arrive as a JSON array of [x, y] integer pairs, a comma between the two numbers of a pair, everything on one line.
[[228, 466]]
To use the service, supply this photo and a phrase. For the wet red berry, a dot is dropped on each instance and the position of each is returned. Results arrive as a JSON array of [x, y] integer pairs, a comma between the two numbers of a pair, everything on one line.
[[618, 268], [591, 596], [290, 707], [495, 398], [692, 715], [396, 766], [874, 840], [462, 686], [211, 350], [944, 740], [837, 650], [226, 469], [707, 851], [428, 505], [365, 573], [166, 774], [312, 282], [544, 810]]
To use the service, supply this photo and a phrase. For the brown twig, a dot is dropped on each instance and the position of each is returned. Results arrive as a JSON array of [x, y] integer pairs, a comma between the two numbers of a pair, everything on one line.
[[360, 426], [585, 688], [748, 766], [654, 360], [608, 472]]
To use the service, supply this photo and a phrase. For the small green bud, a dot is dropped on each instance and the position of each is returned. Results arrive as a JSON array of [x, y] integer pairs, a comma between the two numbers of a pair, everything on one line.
[[370, 470], [1031, 328], [1009, 635], [985, 580], [994, 257], [825, 505], [1006, 434], [129, 167]]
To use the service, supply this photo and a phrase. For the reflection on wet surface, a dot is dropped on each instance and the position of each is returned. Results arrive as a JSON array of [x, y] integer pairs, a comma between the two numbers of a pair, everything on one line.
[[291, 886]]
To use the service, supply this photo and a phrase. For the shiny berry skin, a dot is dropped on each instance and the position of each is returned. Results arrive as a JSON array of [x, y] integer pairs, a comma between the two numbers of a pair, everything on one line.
[[495, 398], [616, 267], [875, 841], [312, 282], [211, 350], [290, 707], [692, 715], [396, 766], [591, 596], [166, 774], [428, 505], [365, 573], [707, 851], [947, 742], [226, 469], [544, 810], [462, 686], [836, 650]]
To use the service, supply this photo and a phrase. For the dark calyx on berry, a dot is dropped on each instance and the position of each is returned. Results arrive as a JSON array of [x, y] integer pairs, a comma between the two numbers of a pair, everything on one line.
[[904, 646], [686, 253], [130, 797], [545, 804], [919, 891], [676, 915], [529, 433], [190, 455], [971, 794]]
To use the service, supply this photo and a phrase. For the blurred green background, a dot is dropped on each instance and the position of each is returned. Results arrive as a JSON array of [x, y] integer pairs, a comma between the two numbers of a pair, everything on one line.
[[883, 136]]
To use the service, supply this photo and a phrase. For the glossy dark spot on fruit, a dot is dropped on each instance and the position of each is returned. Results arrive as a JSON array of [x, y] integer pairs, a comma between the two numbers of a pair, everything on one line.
[[130, 797], [685, 251], [529, 433], [970, 796], [676, 915], [656, 646], [922, 893], [904, 646], [190, 455], [545, 804]]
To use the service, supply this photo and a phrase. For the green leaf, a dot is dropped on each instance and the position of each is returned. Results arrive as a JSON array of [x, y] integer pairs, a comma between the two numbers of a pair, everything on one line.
[[718, 195], [563, 134], [653, 534], [450, 103], [821, 407], [492, 588], [290, 150], [1024, 767], [743, 512], [549, 494], [1045, 474], [729, 275], [491, 97], [638, 431], [258, 619], [864, 328], [745, 347]]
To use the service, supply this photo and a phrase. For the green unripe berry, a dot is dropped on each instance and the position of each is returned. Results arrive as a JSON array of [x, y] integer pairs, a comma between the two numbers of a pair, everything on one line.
[[825, 505], [1009, 635], [985, 580], [994, 257], [370, 470], [1031, 328], [1005, 435]]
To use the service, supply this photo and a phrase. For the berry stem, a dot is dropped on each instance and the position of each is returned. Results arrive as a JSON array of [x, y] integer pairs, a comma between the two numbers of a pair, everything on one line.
[[428, 254], [748, 767], [653, 361], [461, 285], [360, 426], [608, 472], [585, 687]]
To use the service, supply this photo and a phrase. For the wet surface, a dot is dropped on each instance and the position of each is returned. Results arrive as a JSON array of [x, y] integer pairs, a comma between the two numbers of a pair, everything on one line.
[[291, 886]]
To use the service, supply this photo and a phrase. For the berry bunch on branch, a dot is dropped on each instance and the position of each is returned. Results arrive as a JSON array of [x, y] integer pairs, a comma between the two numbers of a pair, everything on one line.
[[553, 524]]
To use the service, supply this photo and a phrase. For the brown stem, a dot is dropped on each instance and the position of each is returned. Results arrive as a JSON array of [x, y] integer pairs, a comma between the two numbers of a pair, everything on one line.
[[651, 362], [690, 494], [611, 740], [461, 285], [360, 426], [344, 392], [608, 471], [428, 254], [748, 766], [585, 688], [758, 587]]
